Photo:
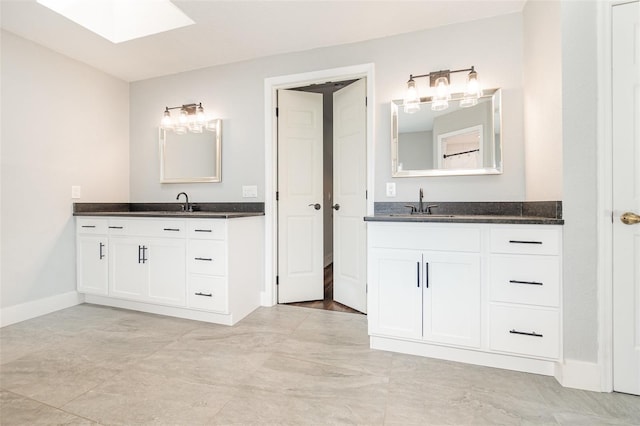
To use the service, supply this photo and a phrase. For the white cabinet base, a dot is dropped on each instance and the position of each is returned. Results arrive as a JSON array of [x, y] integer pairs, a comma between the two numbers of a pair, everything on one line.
[[191, 314], [468, 356]]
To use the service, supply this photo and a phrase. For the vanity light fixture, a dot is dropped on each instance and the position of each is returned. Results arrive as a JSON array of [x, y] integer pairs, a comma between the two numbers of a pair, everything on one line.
[[441, 82], [191, 118]]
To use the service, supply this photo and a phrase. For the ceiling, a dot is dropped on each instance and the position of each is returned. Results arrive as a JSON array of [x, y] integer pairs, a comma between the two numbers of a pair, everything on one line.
[[232, 31]]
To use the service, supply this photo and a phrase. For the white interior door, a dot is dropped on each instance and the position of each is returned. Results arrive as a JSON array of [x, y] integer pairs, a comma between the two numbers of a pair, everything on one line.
[[626, 197], [349, 189], [300, 254]]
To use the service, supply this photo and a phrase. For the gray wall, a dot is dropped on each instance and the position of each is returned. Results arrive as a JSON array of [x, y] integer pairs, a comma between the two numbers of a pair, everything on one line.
[[579, 116], [235, 93], [63, 124]]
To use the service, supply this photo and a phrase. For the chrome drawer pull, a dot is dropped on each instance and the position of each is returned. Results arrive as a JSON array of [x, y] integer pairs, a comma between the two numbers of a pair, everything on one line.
[[525, 282], [171, 229], [204, 294], [202, 230], [207, 259], [116, 227], [524, 333], [524, 242], [88, 226]]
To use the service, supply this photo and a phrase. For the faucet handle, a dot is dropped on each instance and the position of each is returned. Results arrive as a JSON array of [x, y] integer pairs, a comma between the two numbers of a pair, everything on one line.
[[430, 206], [413, 208]]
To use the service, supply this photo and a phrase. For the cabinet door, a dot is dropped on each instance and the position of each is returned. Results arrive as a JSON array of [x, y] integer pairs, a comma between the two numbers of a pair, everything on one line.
[[128, 268], [395, 293], [451, 298], [167, 271], [92, 264]]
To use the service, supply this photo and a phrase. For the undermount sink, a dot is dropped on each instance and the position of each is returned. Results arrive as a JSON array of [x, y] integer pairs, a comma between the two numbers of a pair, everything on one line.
[[422, 215]]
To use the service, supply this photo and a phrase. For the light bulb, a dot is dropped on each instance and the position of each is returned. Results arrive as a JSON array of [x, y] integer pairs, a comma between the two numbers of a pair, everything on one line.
[[183, 119], [473, 90], [180, 130], [200, 118], [411, 99], [166, 122], [441, 98]]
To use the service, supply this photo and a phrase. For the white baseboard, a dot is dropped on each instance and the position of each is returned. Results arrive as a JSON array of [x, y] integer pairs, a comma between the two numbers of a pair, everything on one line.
[[24, 311], [580, 375]]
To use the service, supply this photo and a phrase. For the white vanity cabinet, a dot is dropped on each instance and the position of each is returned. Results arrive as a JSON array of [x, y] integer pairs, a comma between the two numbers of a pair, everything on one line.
[[203, 269], [481, 293], [92, 256], [422, 289]]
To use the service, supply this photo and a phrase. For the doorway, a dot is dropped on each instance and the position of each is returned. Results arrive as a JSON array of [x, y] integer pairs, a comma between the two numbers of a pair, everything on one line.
[[327, 90], [322, 195]]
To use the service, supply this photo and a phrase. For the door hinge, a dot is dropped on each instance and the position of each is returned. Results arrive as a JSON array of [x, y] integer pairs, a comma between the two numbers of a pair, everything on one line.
[[277, 279], [366, 194], [277, 196], [277, 111], [366, 100], [612, 216]]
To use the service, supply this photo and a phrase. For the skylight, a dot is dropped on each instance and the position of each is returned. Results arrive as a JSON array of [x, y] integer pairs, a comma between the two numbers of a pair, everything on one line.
[[121, 20]]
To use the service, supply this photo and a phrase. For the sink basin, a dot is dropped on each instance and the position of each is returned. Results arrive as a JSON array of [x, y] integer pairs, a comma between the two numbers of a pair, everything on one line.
[[422, 215]]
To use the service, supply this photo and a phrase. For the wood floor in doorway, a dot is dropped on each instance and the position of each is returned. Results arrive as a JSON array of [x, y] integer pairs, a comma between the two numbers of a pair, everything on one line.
[[328, 304]]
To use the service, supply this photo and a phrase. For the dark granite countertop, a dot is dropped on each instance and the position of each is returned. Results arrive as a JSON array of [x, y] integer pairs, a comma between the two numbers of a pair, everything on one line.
[[534, 213], [531, 220], [168, 210]]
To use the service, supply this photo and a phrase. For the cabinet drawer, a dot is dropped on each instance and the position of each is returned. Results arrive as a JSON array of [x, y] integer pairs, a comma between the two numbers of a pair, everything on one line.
[[208, 293], [525, 240], [424, 236], [532, 280], [91, 225], [207, 229], [148, 228], [525, 331], [207, 257]]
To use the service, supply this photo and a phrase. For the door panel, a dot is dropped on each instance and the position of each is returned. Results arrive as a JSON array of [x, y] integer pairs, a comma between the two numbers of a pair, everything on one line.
[[167, 271], [349, 187], [128, 269], [626, 197], [300, 140]]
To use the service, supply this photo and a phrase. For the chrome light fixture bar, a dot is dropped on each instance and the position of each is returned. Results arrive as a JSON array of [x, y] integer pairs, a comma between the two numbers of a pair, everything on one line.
[[441, 82], [190, 118]]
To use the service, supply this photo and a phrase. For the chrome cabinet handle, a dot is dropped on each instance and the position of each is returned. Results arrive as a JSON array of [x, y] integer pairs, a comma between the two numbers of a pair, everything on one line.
[[336, 206], [316, 206], [630, 218], [101, 254]]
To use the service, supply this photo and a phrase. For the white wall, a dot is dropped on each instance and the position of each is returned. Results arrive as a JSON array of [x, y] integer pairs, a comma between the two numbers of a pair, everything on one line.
[[542, 74], [579, 116], [63, 124], [235, 93]]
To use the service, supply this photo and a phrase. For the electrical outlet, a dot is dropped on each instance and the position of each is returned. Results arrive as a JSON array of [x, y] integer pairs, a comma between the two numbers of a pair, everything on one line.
[[250, 191], [391, 189], [76, 191]]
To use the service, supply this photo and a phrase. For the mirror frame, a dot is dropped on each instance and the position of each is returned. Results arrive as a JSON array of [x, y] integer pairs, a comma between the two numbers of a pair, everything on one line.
[[216, 177], [496, 99]]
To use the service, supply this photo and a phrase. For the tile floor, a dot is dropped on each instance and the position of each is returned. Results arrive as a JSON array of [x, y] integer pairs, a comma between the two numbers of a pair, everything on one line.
[[282, 365]]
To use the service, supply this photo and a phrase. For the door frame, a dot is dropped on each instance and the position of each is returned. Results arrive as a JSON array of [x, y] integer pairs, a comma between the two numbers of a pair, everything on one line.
[[271, 86], [604, 193]]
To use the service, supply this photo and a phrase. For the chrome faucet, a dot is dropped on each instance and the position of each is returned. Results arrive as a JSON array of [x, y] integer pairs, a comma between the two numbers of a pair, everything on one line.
[[186, 207], [420, 204]]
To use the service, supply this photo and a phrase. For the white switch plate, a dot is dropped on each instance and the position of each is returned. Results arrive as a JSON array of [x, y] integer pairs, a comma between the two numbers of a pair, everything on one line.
[[391, 189], [76, 191], [250, 191]]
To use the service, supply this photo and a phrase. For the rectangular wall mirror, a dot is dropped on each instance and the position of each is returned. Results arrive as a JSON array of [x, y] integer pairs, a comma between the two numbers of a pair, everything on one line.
[[455, 141], [191, 157]]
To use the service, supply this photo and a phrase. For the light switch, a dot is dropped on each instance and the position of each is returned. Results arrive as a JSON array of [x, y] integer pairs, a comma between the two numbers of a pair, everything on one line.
[[250, 191], [76, 191], [391, 189]]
